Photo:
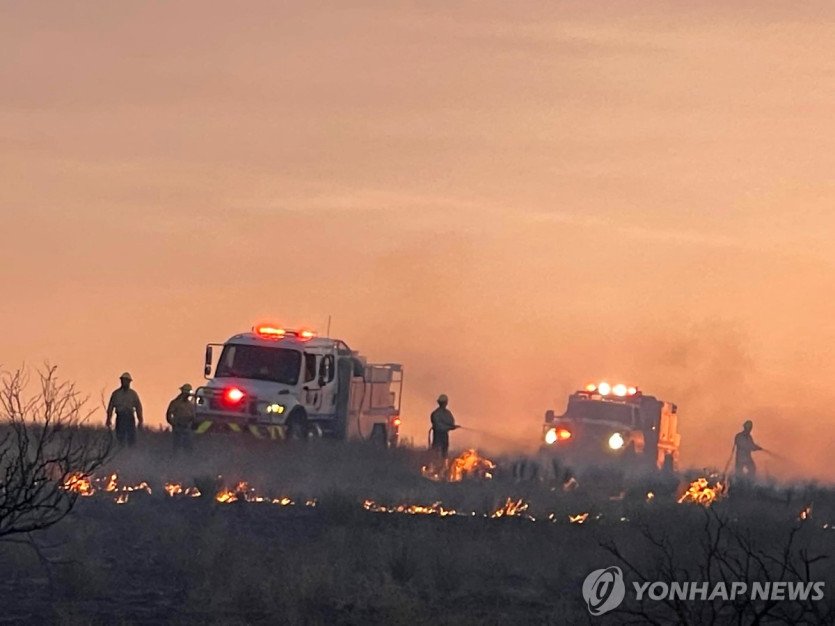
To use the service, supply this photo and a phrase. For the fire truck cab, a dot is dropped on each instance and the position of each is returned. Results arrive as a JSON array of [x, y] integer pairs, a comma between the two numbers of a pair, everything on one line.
[[277, 383], [605, 423]]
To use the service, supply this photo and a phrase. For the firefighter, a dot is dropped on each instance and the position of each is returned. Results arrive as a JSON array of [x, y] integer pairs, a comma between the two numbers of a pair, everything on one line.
[[180, 415], [442, 423], [128, 408], [744, 445]]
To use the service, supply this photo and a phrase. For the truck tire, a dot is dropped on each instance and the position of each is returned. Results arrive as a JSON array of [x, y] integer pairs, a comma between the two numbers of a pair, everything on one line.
[[378, 436], [297, 426]]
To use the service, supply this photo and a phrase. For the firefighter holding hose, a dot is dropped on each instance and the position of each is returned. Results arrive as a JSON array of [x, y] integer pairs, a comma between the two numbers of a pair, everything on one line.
[[744, 445], [442, 423]]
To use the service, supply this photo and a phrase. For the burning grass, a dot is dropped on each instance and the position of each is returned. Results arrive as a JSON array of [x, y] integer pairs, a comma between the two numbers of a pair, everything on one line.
[[384, 545], [701, 491], [468, 465]]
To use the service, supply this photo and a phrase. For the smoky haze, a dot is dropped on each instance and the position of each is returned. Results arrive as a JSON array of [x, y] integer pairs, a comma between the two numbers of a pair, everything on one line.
[[511, 200]]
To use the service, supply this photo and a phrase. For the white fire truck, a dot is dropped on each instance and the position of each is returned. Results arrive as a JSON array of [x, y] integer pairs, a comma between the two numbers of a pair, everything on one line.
[[606, 422], [277, 383]]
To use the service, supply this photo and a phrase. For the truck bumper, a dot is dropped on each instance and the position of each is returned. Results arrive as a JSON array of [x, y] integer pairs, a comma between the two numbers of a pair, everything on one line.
[[222, 423]]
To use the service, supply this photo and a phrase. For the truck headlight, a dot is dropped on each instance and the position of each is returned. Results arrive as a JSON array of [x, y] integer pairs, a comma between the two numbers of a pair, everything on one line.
[[551, 436], [278, 409], [616, 441]]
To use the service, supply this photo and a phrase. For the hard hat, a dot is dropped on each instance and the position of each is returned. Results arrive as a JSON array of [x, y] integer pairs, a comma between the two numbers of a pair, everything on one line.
[[186, 388], [443, 398], [748, 424], [125, 376]]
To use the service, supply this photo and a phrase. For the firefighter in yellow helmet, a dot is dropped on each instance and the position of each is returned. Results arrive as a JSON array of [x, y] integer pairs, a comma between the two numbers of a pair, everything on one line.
[[744, 446], [180, 415], [442, 423], [128, 408]]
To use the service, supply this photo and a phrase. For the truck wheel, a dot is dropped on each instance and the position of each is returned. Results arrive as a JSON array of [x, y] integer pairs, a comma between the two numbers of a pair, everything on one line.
[[297, 428], [378, 435]]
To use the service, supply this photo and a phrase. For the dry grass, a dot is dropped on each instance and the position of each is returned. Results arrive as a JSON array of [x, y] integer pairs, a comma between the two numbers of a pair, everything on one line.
[[158, 559]]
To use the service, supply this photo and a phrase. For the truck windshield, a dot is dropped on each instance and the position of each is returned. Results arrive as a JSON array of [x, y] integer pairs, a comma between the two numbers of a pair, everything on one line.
[[600, 411], [279, 365]]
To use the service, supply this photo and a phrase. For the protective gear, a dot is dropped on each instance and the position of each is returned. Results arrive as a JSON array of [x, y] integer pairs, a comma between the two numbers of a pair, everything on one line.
[[180, 413], [748, 425], [744, 445], [440, 442], [126, 376], [125, 430], [442, 399], [128, 408], [442, 423]]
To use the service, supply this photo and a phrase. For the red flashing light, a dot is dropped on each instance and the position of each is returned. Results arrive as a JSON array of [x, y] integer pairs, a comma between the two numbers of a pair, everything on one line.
[[563, 434], [233, 395], [395, 420], [305, 335], [270, 332]]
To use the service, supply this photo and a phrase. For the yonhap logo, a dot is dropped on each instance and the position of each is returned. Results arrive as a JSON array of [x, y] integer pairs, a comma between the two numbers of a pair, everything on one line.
[[604, 590]]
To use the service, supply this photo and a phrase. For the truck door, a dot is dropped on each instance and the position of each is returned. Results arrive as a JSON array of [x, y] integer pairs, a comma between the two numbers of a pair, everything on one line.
[[311, 396], [342, 407], [326, 380]]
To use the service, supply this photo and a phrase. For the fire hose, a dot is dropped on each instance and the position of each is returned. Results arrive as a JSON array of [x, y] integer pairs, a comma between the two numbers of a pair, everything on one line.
[[484, 433]]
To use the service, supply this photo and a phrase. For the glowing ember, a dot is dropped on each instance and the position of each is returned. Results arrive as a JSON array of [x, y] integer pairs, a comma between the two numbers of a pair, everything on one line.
[[111, 485], [123, 497], [80, 484], [579, 518], [650, 496], [700, 492], [468, 465], [806, 513]]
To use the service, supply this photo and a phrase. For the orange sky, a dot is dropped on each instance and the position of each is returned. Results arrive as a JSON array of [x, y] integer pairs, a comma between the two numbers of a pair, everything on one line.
[[510, 198]]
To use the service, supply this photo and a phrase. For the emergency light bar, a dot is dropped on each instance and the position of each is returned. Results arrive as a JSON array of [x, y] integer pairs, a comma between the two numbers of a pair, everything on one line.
[[275, 332], [605, 389]]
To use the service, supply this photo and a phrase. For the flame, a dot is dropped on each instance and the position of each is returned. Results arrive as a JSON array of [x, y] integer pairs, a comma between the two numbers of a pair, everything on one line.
[[143, 486], [579, 518], [176, 489], [806, 513], [112, 485], [123, 497], [409, 509], [650, 496], [244, 493], [79, 483], [512, 509], [468, 465], [700, 492]]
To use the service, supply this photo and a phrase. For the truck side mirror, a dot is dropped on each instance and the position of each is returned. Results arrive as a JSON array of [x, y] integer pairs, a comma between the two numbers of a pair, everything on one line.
[[549, 416], [207, 367]]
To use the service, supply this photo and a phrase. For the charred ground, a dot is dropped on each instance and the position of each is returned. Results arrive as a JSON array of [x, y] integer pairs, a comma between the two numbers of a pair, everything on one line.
[[510, 554]]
